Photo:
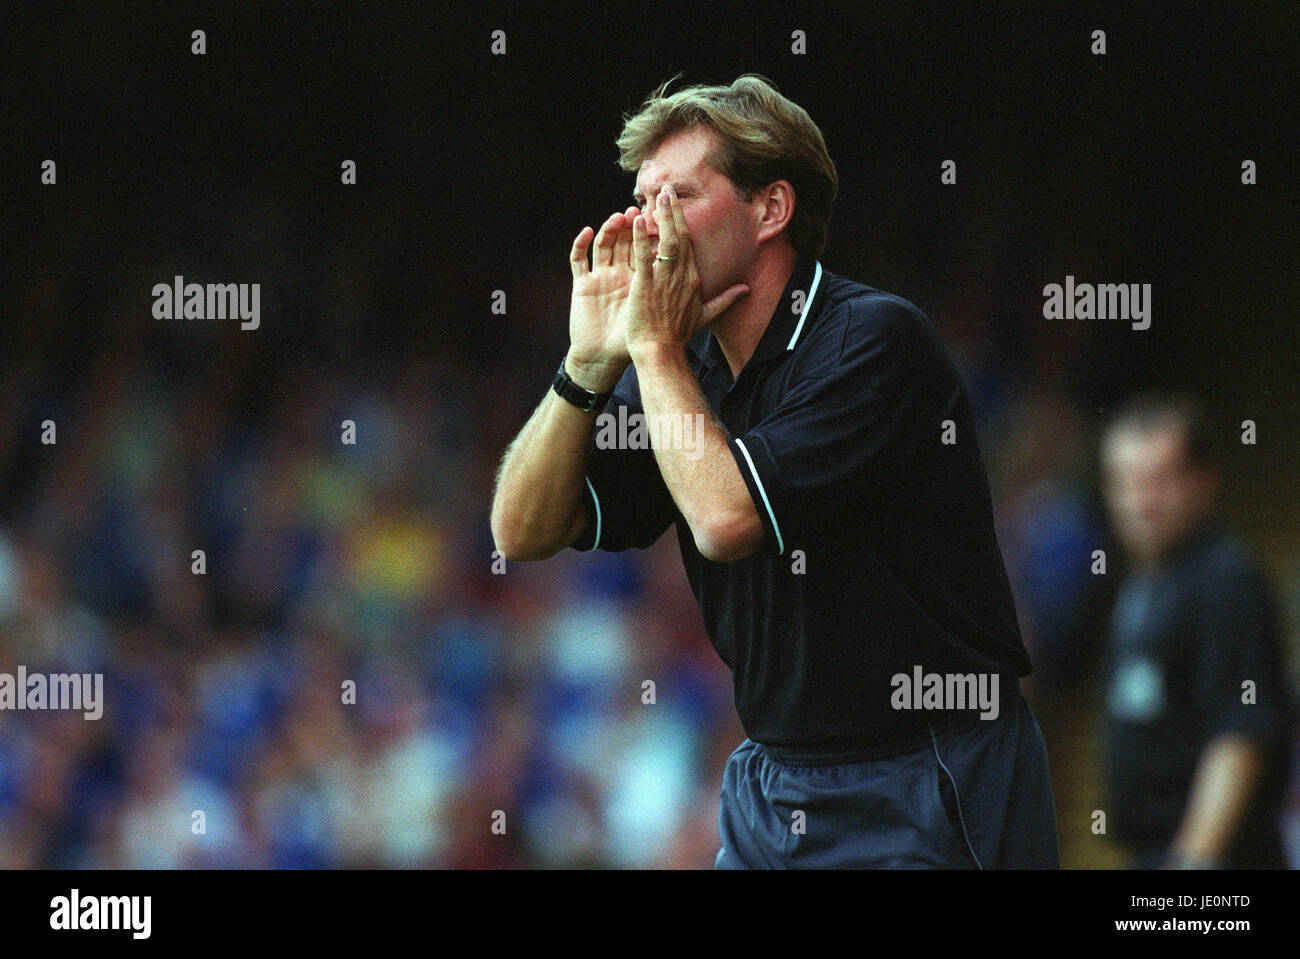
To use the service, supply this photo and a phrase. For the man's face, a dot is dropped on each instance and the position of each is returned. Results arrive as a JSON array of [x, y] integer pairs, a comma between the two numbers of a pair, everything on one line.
[[723, 227], [1155, 497]]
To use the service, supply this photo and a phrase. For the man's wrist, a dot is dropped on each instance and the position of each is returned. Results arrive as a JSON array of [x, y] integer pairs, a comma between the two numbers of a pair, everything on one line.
[[653, 353], [600, 376]]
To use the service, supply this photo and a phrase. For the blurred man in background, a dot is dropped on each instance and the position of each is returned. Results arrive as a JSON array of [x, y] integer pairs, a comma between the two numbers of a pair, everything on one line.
[[1196, 708]]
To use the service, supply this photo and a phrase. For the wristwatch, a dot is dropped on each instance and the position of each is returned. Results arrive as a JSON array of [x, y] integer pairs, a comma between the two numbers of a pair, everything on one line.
[[583, 399]]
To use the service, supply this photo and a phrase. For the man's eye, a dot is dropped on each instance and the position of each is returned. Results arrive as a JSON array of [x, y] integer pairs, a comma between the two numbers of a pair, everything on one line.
[[641, 203]]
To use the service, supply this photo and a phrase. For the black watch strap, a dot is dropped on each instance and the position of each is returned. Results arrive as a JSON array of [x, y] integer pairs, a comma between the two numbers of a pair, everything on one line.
[[583, 399]]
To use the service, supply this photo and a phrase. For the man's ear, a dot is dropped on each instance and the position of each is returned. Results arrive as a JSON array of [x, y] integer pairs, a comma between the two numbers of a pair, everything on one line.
[[776, 210]]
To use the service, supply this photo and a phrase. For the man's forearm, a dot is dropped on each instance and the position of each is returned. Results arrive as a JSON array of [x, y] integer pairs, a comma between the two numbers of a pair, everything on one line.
[[1225, 780], [535, 511], [702, 476]]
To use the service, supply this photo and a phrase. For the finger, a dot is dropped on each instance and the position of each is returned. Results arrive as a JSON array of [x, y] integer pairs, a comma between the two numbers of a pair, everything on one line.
[[623, 245], [603, 254], [722, 302], [668, 246], [680, 229], [642, 260], [578, 255]]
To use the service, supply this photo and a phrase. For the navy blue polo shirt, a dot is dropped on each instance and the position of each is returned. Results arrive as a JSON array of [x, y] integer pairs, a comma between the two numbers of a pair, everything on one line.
[[878, 551], [1183, 639]]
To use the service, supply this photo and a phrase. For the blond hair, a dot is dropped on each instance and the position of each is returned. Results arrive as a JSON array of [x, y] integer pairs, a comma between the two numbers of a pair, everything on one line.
[[763, 137]]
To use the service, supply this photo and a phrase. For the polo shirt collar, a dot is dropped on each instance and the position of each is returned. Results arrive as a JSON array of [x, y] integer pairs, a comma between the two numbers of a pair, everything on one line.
[[784, 328]]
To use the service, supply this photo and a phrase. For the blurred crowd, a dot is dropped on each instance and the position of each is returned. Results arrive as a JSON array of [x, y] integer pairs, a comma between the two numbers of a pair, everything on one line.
[[341, 678], [346, 677]]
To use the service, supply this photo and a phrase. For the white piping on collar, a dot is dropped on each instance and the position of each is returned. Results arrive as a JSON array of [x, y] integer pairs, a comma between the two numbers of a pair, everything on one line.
[[817, 278]]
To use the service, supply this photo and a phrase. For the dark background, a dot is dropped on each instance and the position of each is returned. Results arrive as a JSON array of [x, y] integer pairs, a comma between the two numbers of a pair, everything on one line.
[[372, 562]]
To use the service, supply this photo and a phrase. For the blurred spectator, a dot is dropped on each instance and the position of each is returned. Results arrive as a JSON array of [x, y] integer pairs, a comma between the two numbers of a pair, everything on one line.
[[1197, 716]]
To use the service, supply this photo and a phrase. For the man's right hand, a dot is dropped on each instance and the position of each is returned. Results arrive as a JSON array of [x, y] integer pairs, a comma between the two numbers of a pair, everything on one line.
[[597, 346]]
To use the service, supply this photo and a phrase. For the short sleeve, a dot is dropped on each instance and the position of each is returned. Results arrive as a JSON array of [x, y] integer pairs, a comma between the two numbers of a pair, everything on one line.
[[627, 502], [1239, 645], [840, 429]]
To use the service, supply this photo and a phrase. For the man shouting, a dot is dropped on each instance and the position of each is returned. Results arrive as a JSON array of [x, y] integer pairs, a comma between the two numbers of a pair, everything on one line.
[[832, 507]]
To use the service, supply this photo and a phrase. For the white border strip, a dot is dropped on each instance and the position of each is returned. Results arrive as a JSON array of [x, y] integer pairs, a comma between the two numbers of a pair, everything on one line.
[[780, 545], [595, 499], [817, 278]]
